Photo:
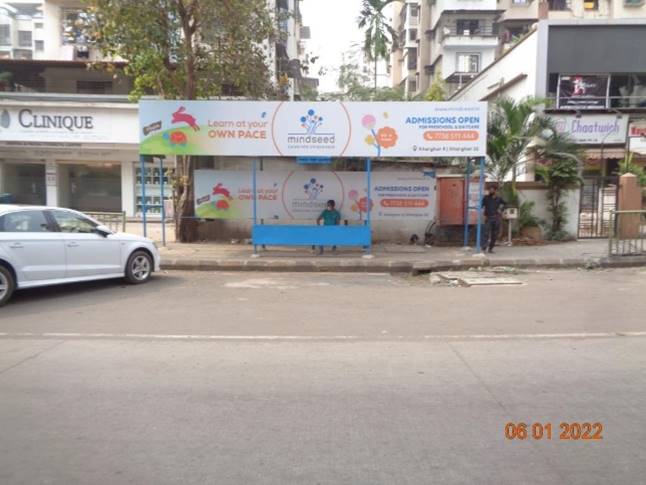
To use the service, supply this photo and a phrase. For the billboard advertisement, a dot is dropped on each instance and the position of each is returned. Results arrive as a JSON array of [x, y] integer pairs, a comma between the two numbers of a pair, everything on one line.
[[583, 91], [320, 129], [637, 136], [302, 195]]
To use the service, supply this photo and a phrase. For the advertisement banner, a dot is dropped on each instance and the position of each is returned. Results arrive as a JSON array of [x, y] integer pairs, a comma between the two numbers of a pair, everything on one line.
[[302, 195], [583, 91], [593, 129], [303, 129], [40, 125], [637, 136]]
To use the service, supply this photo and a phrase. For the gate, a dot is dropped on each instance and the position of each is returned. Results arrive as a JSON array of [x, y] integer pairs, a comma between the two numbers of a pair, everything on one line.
[[598, 199]]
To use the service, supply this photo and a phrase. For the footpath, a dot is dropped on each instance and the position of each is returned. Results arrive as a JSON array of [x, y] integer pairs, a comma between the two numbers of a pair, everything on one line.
[[390, 258]]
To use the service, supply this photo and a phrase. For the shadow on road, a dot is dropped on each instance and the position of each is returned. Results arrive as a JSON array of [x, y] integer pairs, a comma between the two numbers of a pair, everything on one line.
[[99, 291]]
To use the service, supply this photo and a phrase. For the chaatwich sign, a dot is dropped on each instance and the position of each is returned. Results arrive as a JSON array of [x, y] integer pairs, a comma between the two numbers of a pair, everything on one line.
[[320, 129]]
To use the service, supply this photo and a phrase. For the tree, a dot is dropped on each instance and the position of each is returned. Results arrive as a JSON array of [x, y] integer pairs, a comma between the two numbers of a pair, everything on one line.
[[353, 83], [559, 166], [379, 36], [187, 49], [513, 127], [438, 89]]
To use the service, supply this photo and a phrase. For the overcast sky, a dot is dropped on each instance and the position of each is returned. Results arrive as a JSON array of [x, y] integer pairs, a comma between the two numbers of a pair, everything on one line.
[[334, 30]]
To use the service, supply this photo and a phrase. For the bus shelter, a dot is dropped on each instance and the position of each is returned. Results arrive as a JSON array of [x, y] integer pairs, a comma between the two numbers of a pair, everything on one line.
[[313, 133]]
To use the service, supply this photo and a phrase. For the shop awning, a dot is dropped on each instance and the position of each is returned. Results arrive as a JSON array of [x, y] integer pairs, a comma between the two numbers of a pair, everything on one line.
[[606, 153]]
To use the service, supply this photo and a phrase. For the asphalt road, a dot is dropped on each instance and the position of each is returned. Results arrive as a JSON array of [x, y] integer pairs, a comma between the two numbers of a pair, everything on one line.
[[243, 378]]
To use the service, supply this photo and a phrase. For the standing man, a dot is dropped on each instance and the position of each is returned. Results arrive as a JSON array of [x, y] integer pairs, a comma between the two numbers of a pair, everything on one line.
[[493, 207], [330, 217]]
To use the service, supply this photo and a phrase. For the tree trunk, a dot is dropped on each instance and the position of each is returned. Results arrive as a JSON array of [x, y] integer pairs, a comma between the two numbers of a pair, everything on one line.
[[376, 62], [185, 222]]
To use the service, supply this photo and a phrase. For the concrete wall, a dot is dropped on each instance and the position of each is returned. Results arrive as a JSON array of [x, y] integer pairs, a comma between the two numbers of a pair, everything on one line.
[[538, 194]]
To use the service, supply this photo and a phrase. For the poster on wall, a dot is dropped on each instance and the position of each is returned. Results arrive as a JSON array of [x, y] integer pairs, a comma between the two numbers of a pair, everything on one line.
[[583, 91], [637, 136], [302, 195], [317, 129]]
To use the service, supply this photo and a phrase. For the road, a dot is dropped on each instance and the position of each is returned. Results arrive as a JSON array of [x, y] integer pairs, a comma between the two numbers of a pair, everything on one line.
[[280, 379]]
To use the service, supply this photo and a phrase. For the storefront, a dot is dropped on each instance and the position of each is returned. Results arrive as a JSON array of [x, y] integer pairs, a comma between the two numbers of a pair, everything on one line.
[[78, 155]]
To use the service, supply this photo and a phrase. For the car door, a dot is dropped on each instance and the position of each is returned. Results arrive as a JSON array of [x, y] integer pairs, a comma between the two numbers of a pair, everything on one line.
[[87, 252], [33, 246]]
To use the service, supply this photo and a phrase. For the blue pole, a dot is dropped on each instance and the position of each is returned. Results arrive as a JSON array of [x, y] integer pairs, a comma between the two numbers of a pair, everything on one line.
[[144, 206], [368, 202], [163, 205], [467, 184], [480, 194], [255, 203]]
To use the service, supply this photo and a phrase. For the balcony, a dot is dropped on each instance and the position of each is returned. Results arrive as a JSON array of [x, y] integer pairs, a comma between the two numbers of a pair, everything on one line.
[[486, 36], [559, 5]]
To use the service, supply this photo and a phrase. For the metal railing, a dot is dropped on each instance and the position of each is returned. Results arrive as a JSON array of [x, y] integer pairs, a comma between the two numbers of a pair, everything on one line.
[[115, 221], [627, 233]]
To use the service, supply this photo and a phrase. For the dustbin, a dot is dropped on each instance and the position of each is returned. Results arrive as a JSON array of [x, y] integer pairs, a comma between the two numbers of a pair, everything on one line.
[[6, 199]]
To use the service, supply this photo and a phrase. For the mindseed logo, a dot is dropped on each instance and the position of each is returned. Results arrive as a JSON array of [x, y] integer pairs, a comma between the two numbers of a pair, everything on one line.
[[310, 138]]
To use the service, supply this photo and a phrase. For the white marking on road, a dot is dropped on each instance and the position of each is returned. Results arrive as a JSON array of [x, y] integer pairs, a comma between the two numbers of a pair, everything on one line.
[[143, 336]]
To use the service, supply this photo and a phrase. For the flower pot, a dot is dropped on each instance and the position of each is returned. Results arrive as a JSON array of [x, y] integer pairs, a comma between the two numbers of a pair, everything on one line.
[[532, 232]]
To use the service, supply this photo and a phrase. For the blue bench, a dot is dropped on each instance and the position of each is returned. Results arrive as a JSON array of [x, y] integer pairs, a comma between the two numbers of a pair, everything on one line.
[[311, 235]]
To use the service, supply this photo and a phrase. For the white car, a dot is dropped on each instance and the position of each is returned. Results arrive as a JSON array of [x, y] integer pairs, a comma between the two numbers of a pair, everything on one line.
[[42, 246]]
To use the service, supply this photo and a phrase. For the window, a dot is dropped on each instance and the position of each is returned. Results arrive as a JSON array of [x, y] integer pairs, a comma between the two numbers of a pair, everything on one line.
[[412, 34], [23, 54], [24, 38], [38, 25], [559, 5], [468, 63], [5, 34], [520, 2], [468, 27], [414, 10], [412, 85], [39, 45], [412, 59], [24, 221], [591, 4], [633, 3], [70, 222], [94, 87]]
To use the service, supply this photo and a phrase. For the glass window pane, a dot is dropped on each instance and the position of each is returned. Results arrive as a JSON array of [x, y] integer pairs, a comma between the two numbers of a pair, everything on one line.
[[24, 221], [69, 222]]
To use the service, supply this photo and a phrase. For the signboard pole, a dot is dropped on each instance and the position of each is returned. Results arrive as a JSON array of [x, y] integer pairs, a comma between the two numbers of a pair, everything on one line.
[[467, 184], [369, 202], [255, 201], [144, 207], [163, 204], [480, 194]]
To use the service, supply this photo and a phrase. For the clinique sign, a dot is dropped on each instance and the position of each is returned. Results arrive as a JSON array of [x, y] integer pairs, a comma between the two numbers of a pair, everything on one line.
[[28, 119]]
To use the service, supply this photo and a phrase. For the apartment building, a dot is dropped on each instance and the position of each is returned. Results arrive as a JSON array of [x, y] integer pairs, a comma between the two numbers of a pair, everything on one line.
[[457, 39], [68, 134]]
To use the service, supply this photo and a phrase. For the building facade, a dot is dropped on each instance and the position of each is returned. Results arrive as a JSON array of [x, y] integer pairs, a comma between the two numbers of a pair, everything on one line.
[[593, 74], [458, 39]]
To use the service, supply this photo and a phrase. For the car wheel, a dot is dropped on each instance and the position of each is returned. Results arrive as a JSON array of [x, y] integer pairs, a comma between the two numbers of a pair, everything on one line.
[[139, 267], [7, 285]]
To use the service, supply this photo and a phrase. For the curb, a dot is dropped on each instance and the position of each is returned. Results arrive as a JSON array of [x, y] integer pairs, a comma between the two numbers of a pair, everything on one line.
[[389, 266]]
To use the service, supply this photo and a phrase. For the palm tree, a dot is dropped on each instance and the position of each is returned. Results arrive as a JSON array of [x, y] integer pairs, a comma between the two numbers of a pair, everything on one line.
[[379, 35], [513, 127]]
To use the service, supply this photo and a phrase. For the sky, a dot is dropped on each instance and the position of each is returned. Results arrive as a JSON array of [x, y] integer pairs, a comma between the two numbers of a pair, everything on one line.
[[334, 30]]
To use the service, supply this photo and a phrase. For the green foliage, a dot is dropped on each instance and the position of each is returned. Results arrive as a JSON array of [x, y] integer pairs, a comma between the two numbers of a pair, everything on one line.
[[379, 35], [526, 217], [354, 87], [438, 90], [513, 126], [627, 166], [186, 48], [559, 169]]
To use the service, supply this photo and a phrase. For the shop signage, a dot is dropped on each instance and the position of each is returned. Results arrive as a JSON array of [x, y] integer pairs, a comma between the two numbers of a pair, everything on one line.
[[302, 195], [637, 136], [43, 125], [583, 91], [301, 129], [593, 129]]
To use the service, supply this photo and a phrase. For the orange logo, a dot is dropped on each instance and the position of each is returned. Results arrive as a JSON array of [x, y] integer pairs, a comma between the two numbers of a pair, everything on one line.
[[387, 137]]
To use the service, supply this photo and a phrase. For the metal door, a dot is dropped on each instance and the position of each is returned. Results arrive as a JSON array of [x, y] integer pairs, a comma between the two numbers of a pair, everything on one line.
[[598, 198]]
